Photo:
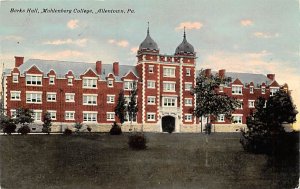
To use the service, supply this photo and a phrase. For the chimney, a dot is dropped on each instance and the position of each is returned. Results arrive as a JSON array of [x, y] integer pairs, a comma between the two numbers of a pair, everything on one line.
[[99, 67], [271, 76], [207, 72], [222, 73], [116, 68], [18, 61]]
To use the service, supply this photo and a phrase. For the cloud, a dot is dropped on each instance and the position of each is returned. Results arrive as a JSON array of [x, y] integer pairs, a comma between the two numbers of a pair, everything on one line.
[[120, 43], [72, 24], [189, 25], [246, 22], [134, 50], [60, 55], [265, 35], [12, 38], [79, 42]]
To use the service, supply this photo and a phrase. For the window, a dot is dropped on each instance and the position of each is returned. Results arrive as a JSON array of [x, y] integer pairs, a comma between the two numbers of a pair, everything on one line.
[[70, 81], [34, 97], [69, 115], [13, 113], [151, 68], [188, 72], [251, 103], [150, 84], [188, 86], [51, 97], [221, 118], [150, 116], [128, 119], [237, 119], [169, 72], [188, 102], [89, 83], [51, 80], [188, 117], [15, 78], [15, 95], [169, 102], [89, 99], [110, 116], [241, 105], [90, 116], [221, 88], [34, 80], [37, 115], [110, 83], [263, 90], [251, 90], [52, 114], [151, 100], [169, 86], [110, 99], [128, 85], [236, 90], [70, 97], [273, 91]]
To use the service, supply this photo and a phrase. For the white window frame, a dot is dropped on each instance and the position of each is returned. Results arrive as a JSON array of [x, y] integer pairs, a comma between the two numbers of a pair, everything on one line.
[[168, 101], [128, 85], [91, 116], [51, 94], [221, 88], [52, 114], [36, 78], [110, 83], [51, 80], [35, 94], [188, 117], [188, 102], [150, 84], [221, 118], [13, 113], [263, 90], [251, 103], [89, 82], [110, 116], [127, 119], [241, 106], [69, 115], [110, 99], [169, 86], [188, 86], [16, 95], [238, 118], [71, 97], [70, 80], [15, 78], [151, 100], [188, 72], [251, 89], [151, 68], [237, 89], [169, 71], [151, 116], [273, 90], [91, 99], [35, 113]]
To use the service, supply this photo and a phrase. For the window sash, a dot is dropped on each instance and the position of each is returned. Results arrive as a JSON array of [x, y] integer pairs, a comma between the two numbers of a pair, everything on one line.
[[34, 97], [89, 100], [33, 80]]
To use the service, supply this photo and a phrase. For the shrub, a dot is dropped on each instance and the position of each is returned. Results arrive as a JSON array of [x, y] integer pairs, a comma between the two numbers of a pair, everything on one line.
[[115, 129], [24, 130], [9, 127], [68, 131], [78, 126], [89, 129], [137, 141]]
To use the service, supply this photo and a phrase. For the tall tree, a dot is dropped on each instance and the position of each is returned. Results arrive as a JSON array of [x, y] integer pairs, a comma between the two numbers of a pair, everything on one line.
[[24, 115], [209, 102], [47, 123], [120, 109], [132, 108]]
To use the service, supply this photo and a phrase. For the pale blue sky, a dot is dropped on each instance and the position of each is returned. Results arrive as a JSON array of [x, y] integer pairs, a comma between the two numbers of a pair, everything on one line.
[[257, 36]]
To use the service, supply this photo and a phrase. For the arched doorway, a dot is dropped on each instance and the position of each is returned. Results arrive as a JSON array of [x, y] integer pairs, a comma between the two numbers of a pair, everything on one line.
[[168, 124]]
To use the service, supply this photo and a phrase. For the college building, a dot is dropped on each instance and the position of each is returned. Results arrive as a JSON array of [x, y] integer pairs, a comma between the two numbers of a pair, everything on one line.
[[88, 92]]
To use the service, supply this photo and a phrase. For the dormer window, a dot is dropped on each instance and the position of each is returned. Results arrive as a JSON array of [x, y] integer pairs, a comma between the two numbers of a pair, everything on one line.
[[51, 80], [251, 90], [236, 90], [89, 83], [273, 91], [15, 78], [110, 83], [263, 90], [34, 80]]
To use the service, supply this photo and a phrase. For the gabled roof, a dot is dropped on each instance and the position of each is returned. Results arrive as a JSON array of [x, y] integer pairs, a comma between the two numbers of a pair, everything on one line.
[[78, 68]]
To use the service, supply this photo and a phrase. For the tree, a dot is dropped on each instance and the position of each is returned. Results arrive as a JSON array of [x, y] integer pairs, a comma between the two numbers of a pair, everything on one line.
[[132, 108], [7, 124], [24, 116], [47, 123], [120, 108], [209, 102]]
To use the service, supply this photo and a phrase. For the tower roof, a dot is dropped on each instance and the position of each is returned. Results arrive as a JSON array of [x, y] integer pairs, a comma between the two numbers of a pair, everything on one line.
[[148, 43], [184, 47]]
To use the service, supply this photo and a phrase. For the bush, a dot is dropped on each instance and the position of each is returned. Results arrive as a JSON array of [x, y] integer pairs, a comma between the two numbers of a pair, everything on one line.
[[68, 131], [9, 128], [24, 130], [115, 129], [78, 126], [137, 141], [89, 129]]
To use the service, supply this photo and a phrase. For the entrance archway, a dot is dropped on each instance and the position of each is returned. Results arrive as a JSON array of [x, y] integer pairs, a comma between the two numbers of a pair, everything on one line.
[[168, 124]]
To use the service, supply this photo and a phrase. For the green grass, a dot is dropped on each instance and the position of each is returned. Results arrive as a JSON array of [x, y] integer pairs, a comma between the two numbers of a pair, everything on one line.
[[170, 161]]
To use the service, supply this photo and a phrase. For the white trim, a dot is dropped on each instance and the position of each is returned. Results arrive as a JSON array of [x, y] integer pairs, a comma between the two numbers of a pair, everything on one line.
[[5, 94], [111, 113], [151, 114], [111, 95], [53, 111], [88, 69], [187, 120], [154, 97], [34, 92], [16, 92], [143, 94], [128, 73], [188, 105]]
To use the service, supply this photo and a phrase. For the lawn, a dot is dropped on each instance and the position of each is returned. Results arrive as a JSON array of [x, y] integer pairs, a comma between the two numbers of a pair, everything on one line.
[[170, 161]]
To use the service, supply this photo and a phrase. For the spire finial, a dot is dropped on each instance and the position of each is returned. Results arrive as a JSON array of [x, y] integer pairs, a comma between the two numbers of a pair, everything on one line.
[[184, 32], [148, 28]]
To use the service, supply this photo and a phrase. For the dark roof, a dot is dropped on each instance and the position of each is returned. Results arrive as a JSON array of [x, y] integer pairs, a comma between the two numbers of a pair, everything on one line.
[[148, 43], [184, 47]]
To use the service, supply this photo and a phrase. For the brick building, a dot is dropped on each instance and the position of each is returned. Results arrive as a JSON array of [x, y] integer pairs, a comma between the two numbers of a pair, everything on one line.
[[88, 92]]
